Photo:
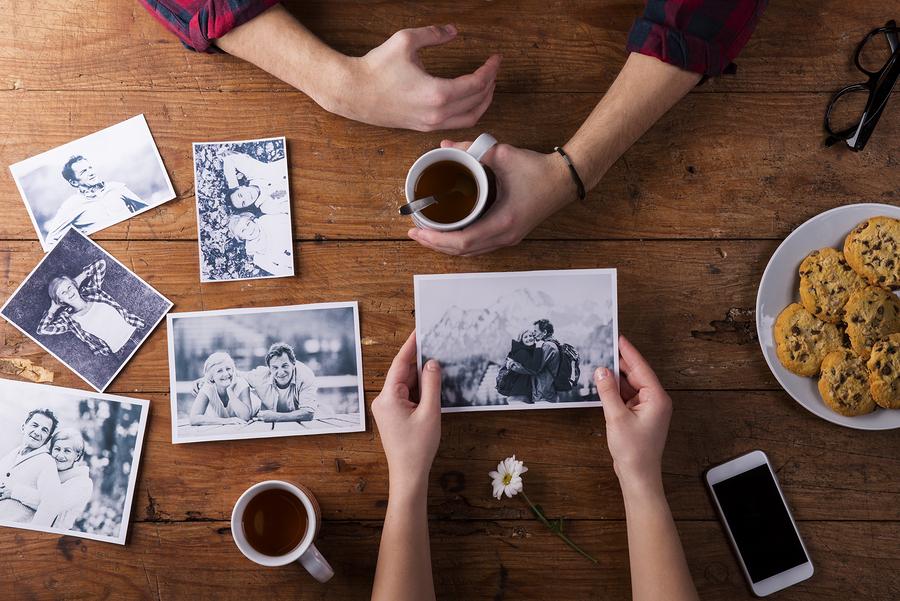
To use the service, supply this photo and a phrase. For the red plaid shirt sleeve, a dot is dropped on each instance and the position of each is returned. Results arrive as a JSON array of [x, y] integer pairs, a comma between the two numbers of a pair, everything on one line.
[[198, 22], [703, 36]]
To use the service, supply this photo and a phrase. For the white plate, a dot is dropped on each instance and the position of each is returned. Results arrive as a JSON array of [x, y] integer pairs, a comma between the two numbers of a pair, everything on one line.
[[779, 288]]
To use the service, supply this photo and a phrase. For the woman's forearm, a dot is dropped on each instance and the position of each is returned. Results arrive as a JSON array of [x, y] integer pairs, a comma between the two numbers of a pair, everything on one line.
[[659, 569], [642, 93], [403, 572], [279, 44]]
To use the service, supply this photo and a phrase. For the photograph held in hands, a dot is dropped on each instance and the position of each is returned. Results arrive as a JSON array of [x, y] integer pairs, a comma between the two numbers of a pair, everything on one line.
[[69, 460], [265, 372], [243, 210], [86, 309], [518, 340], [93, 182]]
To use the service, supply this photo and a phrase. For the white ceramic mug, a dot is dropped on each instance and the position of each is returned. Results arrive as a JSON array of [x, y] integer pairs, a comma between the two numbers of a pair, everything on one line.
[[471, 160], [306, 552]]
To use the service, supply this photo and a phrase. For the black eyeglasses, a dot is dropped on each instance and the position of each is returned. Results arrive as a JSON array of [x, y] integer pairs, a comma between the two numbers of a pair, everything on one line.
[[854, 127]]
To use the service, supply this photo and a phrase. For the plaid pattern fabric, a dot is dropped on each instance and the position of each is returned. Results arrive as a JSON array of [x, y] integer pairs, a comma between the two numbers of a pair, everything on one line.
[[62, 322], [703, 36], [198, 22]]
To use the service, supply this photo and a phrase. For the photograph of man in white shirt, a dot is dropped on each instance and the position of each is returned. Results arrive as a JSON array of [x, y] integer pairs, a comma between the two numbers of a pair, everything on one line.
[[94, 205]]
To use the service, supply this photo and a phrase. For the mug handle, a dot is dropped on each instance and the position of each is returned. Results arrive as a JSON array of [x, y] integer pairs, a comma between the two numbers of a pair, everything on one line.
[[481, 145], [316, 564]]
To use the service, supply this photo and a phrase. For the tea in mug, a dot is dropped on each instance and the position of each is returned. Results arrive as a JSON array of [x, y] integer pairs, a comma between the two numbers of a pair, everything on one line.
[[274, 522], [454, 187]]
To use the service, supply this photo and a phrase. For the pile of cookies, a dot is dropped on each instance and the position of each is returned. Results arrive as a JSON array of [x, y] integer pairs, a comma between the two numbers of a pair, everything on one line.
[[846, 328]]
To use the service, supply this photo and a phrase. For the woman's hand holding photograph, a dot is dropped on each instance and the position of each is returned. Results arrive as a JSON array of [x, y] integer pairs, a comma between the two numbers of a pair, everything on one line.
[[637, 413], [637, 417], [410, 432], [410, 428]]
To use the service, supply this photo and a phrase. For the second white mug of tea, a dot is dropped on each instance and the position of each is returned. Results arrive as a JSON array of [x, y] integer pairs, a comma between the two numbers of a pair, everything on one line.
[[275, 523], [470, 186]]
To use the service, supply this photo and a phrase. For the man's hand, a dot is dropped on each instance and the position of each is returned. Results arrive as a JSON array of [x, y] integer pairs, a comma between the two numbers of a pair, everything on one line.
[[531, 186], [390, 87], [267, 415], [637, 418], [410, 432]]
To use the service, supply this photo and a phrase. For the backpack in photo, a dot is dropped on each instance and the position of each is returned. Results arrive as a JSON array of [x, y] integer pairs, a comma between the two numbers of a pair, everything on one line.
[[569, 368], [505, 377]]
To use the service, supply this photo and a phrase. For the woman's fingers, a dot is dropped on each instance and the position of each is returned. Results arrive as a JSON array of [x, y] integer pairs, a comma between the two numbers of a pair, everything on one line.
[[640, 374], [608, 390], [430, 391], [400, 366]]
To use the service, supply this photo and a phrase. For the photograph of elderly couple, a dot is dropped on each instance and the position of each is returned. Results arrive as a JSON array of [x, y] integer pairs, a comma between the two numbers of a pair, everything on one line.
[[520, 340], [243, 210], [86, 309], [68, 460], [93, 182], [256, 373]]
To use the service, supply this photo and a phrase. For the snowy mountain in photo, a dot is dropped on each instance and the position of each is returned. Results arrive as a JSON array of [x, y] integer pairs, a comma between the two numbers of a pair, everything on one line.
[[465, 333]]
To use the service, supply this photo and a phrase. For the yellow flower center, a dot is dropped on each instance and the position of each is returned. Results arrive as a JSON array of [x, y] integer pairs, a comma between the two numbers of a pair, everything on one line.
[[507, 478]]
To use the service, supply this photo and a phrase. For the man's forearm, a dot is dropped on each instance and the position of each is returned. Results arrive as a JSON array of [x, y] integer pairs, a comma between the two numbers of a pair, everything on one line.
[[299, 415], [659, 569], [279, 44], [642, 93], [403, 572]]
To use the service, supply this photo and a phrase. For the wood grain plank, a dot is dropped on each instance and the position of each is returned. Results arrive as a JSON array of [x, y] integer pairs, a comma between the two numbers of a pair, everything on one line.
[[689, 305], [572, 477], [472, 561], [711, 168], [558, 46]]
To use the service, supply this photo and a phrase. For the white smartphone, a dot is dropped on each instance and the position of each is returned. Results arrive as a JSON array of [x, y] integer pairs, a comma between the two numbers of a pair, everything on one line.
[[759, 523]]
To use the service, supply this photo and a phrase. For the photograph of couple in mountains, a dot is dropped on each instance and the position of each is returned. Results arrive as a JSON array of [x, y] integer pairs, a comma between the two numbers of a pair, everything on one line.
[[527, 340]]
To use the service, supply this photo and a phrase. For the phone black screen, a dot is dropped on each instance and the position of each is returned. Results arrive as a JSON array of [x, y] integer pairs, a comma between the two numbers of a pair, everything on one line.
[[760, 523]]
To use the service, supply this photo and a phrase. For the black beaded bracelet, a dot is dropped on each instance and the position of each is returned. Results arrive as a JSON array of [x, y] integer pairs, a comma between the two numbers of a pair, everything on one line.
[[577, 178]]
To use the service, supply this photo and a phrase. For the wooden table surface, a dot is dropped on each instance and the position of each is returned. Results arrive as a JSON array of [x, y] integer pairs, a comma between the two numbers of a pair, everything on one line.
[[689, 216]]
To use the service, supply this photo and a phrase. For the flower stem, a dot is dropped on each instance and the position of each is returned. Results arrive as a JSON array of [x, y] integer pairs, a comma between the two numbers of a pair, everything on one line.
[[555, 530]]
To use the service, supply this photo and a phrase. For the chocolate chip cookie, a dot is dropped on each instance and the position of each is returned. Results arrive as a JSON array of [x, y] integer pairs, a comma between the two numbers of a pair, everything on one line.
[[826, 282], [873, 250], [884, 372], [872, 314], [802, 340], [844, 384]]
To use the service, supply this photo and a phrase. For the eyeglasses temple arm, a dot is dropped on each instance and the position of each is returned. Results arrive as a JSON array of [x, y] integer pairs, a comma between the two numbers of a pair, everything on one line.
[[892, 39]]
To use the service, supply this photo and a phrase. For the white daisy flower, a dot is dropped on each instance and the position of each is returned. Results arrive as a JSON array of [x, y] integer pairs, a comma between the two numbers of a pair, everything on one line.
[[508, 477]]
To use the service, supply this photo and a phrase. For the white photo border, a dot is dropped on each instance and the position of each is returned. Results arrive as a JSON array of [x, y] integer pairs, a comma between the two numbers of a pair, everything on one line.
[[57, 357], [173, 394], [204, 280], [132, 477], [171, 191], [612, 272]]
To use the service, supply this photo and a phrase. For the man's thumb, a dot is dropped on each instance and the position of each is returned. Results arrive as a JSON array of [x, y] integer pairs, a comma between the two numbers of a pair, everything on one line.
[[430, 386], [608, 389]]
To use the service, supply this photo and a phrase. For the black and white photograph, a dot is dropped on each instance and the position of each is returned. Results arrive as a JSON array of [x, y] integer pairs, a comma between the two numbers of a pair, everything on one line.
[[69, 460], [93, 182], [243, 210], [86, 309], [518, 340], [258, 373]]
